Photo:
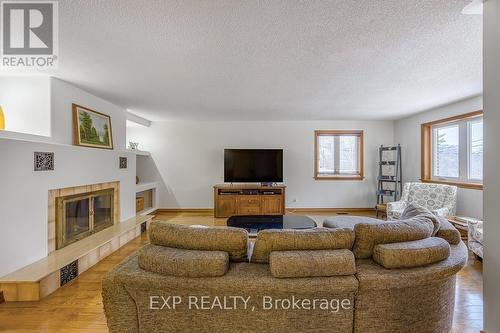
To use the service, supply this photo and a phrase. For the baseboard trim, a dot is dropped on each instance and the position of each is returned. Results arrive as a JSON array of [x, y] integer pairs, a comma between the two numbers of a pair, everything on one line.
[[290, 210], [330, 210], [183, 210]]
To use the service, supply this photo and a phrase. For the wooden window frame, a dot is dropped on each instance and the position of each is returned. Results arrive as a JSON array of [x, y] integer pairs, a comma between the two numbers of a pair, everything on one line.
[[426, 151], [358, 133]]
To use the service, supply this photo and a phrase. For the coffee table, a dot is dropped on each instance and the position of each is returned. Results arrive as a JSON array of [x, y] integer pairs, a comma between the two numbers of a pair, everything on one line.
[[254, 223]]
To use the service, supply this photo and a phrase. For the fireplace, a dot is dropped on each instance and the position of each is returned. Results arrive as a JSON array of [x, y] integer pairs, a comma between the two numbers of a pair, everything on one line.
[[81, 215]]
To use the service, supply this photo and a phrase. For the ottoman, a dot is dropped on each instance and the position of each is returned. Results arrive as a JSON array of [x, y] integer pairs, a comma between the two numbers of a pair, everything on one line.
[[349, 222]]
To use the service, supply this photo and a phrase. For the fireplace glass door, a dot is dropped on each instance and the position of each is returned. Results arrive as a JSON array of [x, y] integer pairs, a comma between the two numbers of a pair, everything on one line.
[[76, 218], [79, 216], [103, 211]]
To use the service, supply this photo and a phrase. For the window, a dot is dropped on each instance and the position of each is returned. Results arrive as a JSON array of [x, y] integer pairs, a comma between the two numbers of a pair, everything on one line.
[[338, 155], [452, 151]]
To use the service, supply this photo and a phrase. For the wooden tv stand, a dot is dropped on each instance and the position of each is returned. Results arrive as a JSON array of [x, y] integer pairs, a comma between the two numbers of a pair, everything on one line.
[[230, 200]]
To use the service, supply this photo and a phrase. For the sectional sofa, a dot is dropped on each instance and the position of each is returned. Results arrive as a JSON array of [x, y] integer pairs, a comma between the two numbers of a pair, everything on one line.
[[362, 276]]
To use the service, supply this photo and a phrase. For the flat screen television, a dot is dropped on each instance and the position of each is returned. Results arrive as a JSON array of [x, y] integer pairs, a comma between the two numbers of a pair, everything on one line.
[[253, 165]]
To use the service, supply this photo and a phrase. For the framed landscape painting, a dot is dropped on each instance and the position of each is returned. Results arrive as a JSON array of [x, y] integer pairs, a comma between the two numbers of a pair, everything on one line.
[[91, 128]]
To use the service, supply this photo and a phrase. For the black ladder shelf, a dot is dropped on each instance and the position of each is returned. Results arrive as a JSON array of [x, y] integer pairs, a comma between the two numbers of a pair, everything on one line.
[[394, 177]]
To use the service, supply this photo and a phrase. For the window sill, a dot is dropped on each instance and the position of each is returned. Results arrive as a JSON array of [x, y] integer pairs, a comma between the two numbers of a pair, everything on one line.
[[472, 186], [339, 178]]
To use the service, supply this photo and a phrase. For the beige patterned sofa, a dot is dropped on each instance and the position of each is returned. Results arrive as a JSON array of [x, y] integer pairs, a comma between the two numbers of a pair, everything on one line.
[[372, 277]]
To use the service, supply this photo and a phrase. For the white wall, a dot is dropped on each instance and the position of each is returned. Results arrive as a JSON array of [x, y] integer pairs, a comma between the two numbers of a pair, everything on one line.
[[59, 95], [24, 193], [26, 104], [492, 164], [63, 94], [188, 157], [407, 133]]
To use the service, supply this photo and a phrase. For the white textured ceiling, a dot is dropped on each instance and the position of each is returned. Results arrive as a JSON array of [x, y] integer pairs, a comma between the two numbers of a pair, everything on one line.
[[272, 60]]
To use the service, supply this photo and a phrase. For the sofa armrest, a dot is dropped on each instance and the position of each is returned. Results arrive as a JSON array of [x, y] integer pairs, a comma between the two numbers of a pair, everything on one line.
[[441, 212], [119, 306], [448, 232], [394, 209], [411, 254]]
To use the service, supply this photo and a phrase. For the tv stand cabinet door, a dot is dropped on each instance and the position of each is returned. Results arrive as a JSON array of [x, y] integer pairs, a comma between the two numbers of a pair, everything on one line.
[[249, 205], [226, 206], [272, 205]]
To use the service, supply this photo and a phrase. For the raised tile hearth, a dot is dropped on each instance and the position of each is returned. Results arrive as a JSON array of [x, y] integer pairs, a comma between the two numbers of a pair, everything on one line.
[[35, 281], [89, 230]]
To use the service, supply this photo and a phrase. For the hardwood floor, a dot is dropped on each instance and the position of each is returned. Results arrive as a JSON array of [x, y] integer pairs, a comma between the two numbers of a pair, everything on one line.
[[77, 306]]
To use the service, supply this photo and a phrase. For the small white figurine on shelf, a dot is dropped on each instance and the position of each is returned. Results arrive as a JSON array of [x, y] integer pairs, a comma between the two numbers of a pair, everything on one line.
[[133, 145]]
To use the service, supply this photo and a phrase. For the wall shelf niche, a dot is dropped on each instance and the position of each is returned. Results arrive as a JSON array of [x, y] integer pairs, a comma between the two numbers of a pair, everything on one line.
[[139, 152], [146, 190]]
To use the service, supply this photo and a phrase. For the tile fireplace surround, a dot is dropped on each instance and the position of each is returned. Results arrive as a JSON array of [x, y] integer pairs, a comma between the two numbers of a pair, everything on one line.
[[39, 279], [54, 194]]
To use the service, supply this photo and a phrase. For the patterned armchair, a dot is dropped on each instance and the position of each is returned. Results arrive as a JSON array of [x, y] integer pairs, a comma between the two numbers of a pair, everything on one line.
[[438, 198], [475, 237]]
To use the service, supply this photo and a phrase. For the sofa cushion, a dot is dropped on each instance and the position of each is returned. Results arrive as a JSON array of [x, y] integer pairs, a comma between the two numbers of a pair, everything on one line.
[[448, 232], [411, 254], [227, 239], [291, 240], [348, 221], [297, 264], [413, 210], [185, 263], [369, 235]]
